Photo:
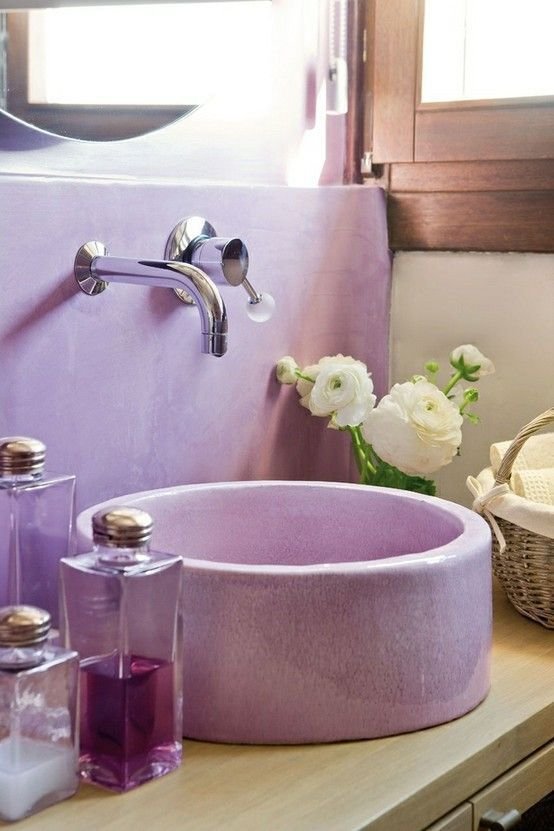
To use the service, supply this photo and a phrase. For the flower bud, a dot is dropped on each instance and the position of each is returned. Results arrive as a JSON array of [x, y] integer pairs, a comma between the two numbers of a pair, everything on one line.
[[471, 395], [470, 362], [285, 370]]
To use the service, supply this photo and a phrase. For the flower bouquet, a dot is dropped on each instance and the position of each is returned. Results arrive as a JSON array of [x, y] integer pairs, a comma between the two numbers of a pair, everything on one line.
[[412, 432]]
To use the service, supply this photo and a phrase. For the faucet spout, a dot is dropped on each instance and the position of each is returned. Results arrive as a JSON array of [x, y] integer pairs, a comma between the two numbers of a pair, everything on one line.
[[94, 270]]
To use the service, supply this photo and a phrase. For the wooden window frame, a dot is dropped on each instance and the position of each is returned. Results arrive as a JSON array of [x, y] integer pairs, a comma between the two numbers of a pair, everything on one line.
[[470, 175], [104, 123]]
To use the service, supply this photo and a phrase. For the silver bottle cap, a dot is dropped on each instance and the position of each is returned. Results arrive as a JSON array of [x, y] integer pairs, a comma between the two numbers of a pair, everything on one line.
[[122, 527], [22, 626], [20, 455]]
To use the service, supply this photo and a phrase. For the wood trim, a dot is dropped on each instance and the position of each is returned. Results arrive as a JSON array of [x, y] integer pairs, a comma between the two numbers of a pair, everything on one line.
[[355, 116], [523, 132], [17, 31], [460, 177], [393, 55], [486, 103], [472, 221]]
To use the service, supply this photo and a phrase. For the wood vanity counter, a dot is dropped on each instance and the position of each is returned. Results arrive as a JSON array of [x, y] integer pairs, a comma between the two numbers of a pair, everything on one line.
[[402, 783]]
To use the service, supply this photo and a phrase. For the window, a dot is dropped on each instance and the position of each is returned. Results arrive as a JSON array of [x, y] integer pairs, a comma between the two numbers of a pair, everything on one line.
[[149, 64], [466, 174], [487, 49]]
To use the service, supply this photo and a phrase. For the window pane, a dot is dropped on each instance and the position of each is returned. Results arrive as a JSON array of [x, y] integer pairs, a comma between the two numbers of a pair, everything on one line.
[[479, 49], [163, 54]]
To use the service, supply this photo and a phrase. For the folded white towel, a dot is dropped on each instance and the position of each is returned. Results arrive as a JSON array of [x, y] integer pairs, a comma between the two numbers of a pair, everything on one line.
[[536, 453], [536, 485], [501, 501]]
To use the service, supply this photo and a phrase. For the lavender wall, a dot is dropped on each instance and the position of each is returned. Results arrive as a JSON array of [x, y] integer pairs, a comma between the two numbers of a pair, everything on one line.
[[116, 385]]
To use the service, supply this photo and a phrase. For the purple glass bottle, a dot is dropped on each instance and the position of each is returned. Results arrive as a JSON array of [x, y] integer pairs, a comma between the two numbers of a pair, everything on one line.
[[120, 609], [39, 748], [36, 525]]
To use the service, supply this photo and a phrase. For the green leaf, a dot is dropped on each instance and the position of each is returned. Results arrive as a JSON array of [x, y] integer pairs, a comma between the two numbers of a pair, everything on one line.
[[419, 484], [388, 476]]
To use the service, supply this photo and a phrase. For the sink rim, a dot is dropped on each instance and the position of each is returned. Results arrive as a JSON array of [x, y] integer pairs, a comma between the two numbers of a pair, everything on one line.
[[471, 522]]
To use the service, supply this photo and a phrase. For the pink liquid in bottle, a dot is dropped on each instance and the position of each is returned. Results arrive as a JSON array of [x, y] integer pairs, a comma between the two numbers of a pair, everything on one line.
[[121, 612], [127, 721]]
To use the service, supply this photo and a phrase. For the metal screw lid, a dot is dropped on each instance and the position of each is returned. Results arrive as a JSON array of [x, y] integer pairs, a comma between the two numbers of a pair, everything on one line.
[[122, 527], [23, 626], [19, 454]]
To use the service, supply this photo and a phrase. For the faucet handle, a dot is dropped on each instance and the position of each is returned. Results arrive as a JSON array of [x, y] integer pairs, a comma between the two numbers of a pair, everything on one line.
[[223, 259]]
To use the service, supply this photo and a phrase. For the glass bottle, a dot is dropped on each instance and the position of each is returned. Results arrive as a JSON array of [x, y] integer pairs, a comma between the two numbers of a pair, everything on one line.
[[36, 525], [120, 609], [39, 752]]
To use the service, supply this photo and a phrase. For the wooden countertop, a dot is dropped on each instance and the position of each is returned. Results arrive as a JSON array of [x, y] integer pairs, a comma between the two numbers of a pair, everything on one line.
[[403, 782]]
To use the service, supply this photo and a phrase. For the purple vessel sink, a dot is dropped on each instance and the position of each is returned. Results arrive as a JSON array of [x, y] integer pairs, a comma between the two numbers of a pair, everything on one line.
[[318, 612]]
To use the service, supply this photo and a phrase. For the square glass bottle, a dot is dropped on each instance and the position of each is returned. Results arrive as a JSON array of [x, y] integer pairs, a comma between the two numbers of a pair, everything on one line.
[[120, 610], [36, 525], [39, 752]]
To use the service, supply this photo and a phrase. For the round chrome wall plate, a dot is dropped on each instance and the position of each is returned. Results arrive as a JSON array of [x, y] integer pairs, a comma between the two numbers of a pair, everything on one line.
[[82, 267], [183, 239]]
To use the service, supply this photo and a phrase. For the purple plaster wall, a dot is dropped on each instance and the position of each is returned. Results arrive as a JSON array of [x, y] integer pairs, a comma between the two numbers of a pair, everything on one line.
[[116, 385]]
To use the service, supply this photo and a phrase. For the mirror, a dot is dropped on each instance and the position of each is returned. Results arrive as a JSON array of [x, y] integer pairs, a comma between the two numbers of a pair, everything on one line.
[[103, 73]]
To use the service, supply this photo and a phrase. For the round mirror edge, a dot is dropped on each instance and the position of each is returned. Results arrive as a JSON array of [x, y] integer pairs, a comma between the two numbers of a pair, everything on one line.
[[22, 125]]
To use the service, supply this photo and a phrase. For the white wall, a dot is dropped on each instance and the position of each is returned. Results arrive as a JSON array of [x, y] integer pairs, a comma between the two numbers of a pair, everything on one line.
[[504, 304]]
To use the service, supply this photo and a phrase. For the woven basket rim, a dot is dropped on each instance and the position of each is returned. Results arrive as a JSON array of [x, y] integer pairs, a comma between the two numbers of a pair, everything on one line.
[[536, 425], [532, 516]]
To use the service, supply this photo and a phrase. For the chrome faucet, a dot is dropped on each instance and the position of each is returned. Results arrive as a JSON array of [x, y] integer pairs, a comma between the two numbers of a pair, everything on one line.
[[195, 260], [224, 259], [95, 270]]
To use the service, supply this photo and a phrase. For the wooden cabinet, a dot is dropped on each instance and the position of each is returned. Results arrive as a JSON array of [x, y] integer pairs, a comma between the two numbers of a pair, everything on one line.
[[519, 788], [459, 820], [440, 779]]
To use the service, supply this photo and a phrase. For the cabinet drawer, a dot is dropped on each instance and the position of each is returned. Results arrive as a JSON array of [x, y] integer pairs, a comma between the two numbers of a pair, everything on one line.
[[459, 820], [520, 788]]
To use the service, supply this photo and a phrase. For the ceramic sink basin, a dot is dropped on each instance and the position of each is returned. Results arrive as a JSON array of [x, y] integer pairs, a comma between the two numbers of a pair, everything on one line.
[[318, 612]]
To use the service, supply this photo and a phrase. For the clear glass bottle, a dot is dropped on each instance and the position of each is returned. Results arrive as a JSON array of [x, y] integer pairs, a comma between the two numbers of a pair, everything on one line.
[[120, 609], [39, 750], [36, 525]]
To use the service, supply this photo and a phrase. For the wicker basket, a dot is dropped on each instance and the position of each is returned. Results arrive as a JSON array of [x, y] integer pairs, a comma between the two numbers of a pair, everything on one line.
[[525, 565]]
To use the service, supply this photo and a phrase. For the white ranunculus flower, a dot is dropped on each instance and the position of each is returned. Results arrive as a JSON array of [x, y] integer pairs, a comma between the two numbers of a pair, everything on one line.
[[342, 390], [472, 357], [285, 370], [415, 428]]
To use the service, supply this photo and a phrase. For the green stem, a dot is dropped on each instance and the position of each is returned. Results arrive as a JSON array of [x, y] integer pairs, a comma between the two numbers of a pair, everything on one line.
[[358, 457], [304, 377], [361, 453], [453, 381]]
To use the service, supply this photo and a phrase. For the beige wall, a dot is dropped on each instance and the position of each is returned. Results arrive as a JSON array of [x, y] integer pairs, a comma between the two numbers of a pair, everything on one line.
[[504, 304]]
